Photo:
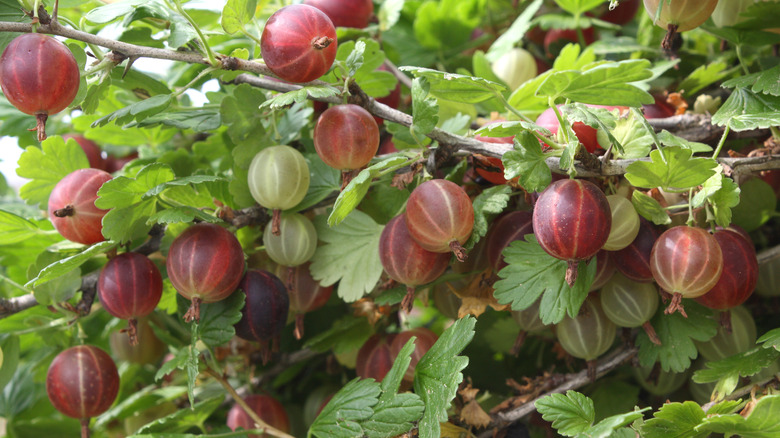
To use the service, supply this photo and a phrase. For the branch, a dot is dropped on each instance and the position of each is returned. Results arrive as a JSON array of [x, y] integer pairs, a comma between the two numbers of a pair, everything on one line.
[[573, 381]]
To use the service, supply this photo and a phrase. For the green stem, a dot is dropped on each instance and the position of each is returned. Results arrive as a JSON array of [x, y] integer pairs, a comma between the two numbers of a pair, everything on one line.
[[399, 165], [690, 220], [248, 34], [200, 75], [742, 60], [721, 142], [251, 412], [559, 116], [677, 206], [14, 284], [202, 38], [512, 109]]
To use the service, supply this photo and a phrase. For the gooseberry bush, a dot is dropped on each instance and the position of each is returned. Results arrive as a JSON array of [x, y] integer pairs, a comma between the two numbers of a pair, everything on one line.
[[496, 217]]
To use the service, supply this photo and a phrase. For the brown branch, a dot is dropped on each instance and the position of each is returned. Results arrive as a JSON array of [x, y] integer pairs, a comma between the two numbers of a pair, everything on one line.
[[573, 381]]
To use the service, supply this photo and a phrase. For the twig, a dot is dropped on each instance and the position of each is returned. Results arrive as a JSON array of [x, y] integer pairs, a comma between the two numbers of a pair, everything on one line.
[[573, 381], [251, 412]]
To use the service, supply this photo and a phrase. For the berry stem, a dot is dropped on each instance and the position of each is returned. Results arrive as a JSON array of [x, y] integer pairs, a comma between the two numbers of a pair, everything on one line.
[[458, 250], [676, 305], [65, 211], [408, 301], [648, 328], [276, 221], [519, 341], [298, 332], [571, 272], [725, 320], [40, 125], [85, 428], [667, 43], [132, 331], [193, 313]]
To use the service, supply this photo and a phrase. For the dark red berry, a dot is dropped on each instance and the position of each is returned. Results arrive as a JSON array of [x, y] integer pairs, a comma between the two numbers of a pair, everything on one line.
[[572, 221], [265, 313], [92, 150], [345, 13], [299, 43], [633, 261], [39, 76], [425, 339], [407, 262], [305, 293], [506, 229], [130, 286], [346, 137], [72, 208], [266, 407], [440, 217], [375, 358], [740, 272], [82, 382], [205, 264]]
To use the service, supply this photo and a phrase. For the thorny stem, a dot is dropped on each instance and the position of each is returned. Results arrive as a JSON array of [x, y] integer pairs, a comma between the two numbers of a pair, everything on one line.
[[202, 38], [249, 411]]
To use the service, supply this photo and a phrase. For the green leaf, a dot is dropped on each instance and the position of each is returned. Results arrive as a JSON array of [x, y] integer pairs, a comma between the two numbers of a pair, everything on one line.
[[438, 374], [109, 13], [301, 95], [46, 166], [677, 334], [137, 111], [770, 339], [649, 208], [570, 414], [161, 173], [95, 93], [184, 214], [599, 118], [605, 84], [240, 111], [199, 120], [764, 82], [10, 362], [704, 76], [347, 334], [674, 169], [355, 59], [352, 404], [507, 129], [59, 289], [668, 139], [353, 193], [760, 423], [349, 254], [487, 204], [68, 264], [743, 364], [531, 273], [745, 110], [184, 419], [389, 13], [507, 40], [323, 180], [425, 110], [15, 229], [125, 224], [455, 87], [392, 380], [123, 191], [578, 7], [756, 204], [394, 416], [674, 420], [632, 135], [236, 14], [527, 161], [217, 319], [571, 57], [722, 193], [447, 23], [610, 427], [145, 397]]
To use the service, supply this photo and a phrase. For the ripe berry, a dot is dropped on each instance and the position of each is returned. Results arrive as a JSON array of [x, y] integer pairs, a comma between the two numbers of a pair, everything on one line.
[[587, 135], [265, 313], [506, 229], [129, 287], [82, 382], [440, 217], [345, 13], [204, 264], [623, 13], [305, 293], [633, 261], [423, 342], [149, 349], [375, 358], [72, 208], [266, 407], [556, 39], [92, 150], [740, 272], [572, 221], [407, 262], [39, 76], [686, 262], [625, 223], [299, 43], [346, 137]]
